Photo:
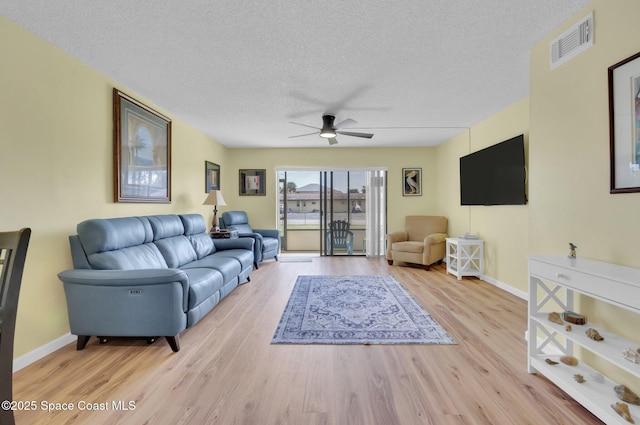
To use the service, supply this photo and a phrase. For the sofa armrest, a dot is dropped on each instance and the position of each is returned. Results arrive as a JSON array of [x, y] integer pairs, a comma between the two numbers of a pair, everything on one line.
[[255, 235], [115, 278], [238, 243], [396, 237], [268, 233], [435, 238]]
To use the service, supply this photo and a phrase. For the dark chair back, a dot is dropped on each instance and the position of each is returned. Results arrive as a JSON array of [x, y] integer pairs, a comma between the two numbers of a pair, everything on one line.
[[13, 252], [339, 235]]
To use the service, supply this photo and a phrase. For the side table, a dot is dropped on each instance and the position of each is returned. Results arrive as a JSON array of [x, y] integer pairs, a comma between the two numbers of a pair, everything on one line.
[[225, 234], [465, 257]]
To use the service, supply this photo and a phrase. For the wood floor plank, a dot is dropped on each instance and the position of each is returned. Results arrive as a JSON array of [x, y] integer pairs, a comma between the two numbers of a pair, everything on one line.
[[227, 372]]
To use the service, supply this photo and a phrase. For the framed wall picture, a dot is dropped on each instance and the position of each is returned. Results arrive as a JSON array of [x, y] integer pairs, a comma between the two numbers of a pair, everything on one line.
[[412, 182], [624, 125], [211, 176], [142, 152], [252, 182]]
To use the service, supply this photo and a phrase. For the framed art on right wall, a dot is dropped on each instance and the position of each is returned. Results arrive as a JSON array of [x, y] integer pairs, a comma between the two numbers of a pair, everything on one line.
[[624, 125], [412, 182]]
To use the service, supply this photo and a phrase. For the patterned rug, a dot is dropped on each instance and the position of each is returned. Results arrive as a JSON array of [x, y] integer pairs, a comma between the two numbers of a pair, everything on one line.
[[355, 310]]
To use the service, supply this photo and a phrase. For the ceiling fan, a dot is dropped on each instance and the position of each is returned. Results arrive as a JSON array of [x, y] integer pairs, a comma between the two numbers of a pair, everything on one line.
[[329, 130]]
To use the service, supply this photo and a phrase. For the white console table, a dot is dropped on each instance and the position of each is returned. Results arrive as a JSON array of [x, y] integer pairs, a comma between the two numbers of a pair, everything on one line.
[[465, 257], [553, 280]]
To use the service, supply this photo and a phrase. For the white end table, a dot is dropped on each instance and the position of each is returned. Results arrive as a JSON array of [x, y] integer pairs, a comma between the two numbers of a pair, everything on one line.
[[465, 257]]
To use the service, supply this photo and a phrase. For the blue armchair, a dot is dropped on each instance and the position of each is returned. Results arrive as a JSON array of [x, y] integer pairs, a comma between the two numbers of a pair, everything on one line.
[[267, 241]]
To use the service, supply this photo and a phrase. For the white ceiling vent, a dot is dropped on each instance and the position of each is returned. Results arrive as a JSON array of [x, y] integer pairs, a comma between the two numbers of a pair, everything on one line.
[[572, 42]]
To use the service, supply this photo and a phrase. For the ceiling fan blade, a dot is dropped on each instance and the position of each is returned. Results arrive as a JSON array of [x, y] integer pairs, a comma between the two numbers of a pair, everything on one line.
[[351, 133], [302, 135], [304, 125], [346, 123], [333, 141]]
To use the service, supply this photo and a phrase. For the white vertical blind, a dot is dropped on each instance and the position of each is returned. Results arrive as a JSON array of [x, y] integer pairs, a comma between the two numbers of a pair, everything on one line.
[[376, 213]]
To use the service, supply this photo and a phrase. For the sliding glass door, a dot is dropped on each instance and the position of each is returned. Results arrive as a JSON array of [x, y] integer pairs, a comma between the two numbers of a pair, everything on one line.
[[310, 200]]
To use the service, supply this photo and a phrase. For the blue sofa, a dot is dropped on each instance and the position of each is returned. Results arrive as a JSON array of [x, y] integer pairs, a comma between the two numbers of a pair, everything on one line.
[[267, 241], [149, 276]]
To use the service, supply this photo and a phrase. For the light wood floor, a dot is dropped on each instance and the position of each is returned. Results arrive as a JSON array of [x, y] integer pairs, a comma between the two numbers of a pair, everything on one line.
[[228, 373]]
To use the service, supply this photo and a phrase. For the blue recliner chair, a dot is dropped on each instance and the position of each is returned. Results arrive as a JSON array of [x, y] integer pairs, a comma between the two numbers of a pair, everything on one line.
[[267, 241]]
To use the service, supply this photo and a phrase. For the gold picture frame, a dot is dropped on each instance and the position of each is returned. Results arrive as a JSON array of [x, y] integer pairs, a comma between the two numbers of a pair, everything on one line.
[[142, 152]]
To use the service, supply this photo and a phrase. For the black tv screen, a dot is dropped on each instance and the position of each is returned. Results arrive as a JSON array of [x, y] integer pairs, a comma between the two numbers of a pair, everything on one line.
[[494, 175]]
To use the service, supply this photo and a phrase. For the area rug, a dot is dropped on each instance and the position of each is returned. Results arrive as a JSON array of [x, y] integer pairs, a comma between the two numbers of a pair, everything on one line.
[[368, 309]]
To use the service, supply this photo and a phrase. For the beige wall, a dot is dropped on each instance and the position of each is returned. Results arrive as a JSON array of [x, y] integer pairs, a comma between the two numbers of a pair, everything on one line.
[[569, 157], [504, 228], [262, 210], [56, 168]]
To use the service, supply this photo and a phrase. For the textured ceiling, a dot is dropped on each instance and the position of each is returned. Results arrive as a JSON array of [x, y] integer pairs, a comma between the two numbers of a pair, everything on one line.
[[241, 70]]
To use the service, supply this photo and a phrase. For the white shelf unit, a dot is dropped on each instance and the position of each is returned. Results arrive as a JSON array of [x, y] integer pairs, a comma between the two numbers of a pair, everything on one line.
[[553, 282], [465, 257]]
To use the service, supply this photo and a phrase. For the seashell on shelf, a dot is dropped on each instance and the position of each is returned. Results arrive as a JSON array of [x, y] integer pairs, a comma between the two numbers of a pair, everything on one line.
[[579, 378], [625, 394], [569, 360], [568, 328], [555, 318], [551, 362], [623, 410], [594, 335]]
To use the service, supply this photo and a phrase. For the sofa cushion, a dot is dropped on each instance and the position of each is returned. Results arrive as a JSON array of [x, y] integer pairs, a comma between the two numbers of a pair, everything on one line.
[[243, 256], [145, 256], [236, 220], [408, 246], [168, 235], [196, 231], [203, 283], [176, 251], [229, 267], [99, 235]]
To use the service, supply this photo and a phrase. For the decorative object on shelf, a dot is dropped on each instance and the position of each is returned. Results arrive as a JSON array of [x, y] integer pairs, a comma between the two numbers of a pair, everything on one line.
[[569, 360], [623, 410], [597, 377], [624, 129], [215, 198], [211, 176], [559, 283], [572, 250], [579, 378], [551, 362], [555, 318], [412, 182], [625, 394], [632, 356], [575, 318], [142, 152], [568, 328], [252, 182], [594, 334]]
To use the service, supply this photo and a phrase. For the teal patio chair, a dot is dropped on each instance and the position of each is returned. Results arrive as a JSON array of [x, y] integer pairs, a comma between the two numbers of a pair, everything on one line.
[[340, 236]]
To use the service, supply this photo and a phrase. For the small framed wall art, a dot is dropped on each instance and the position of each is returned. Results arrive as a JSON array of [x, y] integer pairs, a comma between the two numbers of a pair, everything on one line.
[[142, 152], [252, 182], [211, 176], [412, 182]]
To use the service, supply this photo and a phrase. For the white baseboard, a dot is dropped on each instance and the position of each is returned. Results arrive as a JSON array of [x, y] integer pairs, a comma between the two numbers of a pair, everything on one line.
[[518, 293], [40, 352]]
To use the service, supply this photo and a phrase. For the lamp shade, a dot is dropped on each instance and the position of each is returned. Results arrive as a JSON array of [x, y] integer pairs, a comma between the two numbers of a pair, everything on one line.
[[215, 198]]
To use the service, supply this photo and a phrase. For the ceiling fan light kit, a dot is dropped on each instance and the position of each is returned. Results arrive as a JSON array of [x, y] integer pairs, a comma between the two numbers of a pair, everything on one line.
[[329, 130]]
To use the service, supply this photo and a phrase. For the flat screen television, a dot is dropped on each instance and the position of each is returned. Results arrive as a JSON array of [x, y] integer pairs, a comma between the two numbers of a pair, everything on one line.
[[495, 175]]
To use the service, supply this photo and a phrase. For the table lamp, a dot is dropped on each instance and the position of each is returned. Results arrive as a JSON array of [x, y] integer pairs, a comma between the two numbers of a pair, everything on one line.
[[215, 198]]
